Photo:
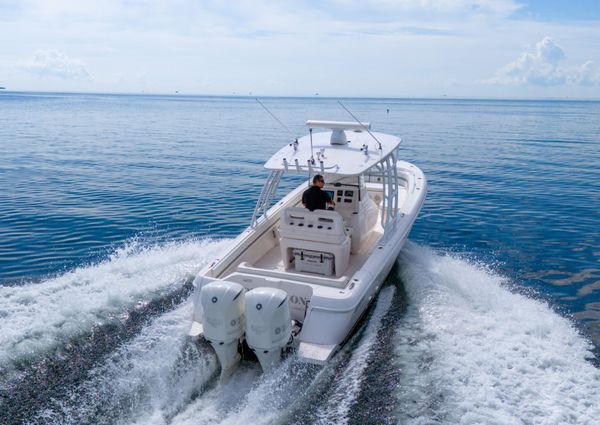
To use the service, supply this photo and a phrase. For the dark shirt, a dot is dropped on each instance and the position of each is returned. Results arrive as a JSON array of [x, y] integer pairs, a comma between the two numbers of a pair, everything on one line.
[[314, 198]]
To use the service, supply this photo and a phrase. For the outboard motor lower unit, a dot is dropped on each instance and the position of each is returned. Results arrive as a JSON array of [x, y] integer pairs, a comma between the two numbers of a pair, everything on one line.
[[223, 320], [269, 324]]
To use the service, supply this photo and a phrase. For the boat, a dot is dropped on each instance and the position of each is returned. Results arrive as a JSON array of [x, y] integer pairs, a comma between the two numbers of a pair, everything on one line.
[[299, 280]]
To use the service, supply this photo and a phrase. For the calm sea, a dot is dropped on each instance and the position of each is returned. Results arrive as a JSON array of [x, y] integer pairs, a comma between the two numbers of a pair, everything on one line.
[[109, 203]]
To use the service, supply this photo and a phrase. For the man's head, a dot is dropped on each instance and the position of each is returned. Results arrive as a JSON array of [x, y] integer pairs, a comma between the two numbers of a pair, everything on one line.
[[318, 180]]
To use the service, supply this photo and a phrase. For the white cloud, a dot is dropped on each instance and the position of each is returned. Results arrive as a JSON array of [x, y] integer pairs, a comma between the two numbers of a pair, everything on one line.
[[586, 75], [52, 63], [538, 67], [542, 67]]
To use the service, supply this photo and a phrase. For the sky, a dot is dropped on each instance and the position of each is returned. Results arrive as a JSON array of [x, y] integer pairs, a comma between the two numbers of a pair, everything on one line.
[[337, 48]]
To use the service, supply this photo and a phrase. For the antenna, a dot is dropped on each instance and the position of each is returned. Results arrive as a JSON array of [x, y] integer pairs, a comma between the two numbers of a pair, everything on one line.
[[276, 119], [312, 158], [361, 124]]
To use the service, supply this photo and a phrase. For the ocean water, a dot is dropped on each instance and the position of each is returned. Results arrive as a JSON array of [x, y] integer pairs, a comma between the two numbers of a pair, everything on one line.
[[110, 203]]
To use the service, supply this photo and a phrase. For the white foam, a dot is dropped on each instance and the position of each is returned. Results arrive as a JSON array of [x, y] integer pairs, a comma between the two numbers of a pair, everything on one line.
[[472, 352], [222, 403], [36, 317], [274, 394], [147, 380], [345, 390]]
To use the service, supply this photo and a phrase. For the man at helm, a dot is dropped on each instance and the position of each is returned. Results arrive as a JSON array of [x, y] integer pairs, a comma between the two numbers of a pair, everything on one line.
[[315, 198]]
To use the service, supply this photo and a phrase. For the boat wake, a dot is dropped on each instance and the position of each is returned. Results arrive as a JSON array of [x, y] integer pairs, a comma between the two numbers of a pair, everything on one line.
[[446, 342], [472, 351], [54, 331], [343, 395], [156, 373]]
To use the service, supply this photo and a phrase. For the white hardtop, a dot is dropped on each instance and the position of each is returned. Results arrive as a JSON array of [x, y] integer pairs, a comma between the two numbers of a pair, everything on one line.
[[361, 152]]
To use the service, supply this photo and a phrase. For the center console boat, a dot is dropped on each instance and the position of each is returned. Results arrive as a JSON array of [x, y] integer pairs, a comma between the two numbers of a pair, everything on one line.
[[299, 279]]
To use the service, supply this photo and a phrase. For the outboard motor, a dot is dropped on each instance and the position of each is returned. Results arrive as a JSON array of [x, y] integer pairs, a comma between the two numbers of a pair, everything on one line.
[[223, 321], [269, 324]]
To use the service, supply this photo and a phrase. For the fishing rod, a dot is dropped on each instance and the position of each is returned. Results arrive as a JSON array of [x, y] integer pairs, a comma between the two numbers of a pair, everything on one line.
[[361, 124], [275, 118], [295, 144]]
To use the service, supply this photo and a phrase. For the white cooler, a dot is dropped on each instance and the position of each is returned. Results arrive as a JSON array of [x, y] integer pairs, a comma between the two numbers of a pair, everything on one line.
[[313, 262]]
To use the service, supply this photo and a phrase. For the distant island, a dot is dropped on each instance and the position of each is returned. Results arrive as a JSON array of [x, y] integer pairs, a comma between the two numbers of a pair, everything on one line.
[[2, 88]]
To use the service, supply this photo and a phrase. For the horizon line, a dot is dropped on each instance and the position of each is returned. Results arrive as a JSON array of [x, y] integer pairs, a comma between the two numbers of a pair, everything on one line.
[[315, 96]]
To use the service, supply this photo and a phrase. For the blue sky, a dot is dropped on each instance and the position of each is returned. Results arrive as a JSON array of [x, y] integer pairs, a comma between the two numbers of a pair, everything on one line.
[[395, 48], [560, 10]]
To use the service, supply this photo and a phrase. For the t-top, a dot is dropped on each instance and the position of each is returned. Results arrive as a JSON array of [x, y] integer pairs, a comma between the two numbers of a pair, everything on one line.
[[314, 198]]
